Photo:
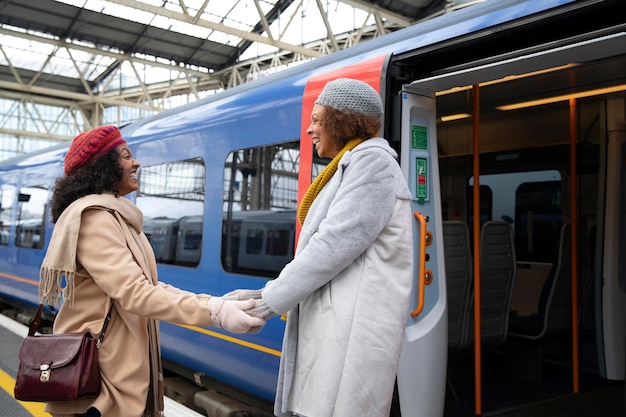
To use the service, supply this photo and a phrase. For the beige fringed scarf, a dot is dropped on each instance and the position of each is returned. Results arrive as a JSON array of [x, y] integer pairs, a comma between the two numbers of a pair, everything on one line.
[[60, 260], [321, 180]]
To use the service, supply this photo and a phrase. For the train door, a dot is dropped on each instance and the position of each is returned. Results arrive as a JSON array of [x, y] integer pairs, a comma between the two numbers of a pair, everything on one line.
[[422, 370]]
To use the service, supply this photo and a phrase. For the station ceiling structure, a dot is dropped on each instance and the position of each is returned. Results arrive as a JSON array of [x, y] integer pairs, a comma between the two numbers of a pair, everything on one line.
[[69, 65]]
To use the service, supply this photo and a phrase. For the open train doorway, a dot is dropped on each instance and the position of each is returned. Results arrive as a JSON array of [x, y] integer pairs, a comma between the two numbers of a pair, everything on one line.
[[545, 125]]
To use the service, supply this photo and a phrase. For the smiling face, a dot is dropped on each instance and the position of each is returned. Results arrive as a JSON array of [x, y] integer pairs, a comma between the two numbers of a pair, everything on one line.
[[128, 183], [323, 141]]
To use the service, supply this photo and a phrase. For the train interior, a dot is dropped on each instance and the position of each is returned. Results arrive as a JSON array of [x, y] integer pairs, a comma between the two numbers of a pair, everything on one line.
[[526, 126]]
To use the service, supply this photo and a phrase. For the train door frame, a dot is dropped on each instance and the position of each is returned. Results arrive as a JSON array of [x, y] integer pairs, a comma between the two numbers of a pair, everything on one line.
[[612, 291], [423, 360]]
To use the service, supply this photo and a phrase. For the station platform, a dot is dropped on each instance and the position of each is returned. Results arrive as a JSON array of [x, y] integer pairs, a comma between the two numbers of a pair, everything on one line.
[[605, 401], [11, 335]]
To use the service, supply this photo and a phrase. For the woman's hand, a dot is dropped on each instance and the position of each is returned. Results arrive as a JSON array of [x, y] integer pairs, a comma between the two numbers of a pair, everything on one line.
[[233, 315]]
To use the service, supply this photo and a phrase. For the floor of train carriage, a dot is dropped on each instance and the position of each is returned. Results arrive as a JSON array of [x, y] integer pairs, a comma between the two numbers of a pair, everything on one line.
[[506, 393]]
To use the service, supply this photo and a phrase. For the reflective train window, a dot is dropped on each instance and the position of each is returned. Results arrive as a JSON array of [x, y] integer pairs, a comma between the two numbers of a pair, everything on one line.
[[7, 193], [532, 203], [260, 196], [31, 217], [538, 215], [171, 196]]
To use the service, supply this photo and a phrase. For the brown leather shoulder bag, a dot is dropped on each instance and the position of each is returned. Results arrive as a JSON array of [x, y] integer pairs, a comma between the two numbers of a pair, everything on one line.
[[58, 367]]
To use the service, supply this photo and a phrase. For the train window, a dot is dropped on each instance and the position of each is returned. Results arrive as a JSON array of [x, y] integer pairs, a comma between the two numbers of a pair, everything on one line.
[[259, 208], [538, 219], [277, 242], [254, 241], [171, 196], [7, 193], [31, 217], [532, 203], [486, 203]]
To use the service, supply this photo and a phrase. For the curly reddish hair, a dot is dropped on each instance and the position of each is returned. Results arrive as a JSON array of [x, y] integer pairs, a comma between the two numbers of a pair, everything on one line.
[[343, 126], [96, 177]]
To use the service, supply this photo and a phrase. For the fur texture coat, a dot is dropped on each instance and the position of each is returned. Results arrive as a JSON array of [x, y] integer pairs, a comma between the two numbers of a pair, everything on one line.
[[347, 291]]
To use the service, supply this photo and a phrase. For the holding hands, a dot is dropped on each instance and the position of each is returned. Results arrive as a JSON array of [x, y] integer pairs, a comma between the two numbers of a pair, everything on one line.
[[260, 310], [241, 295], [235, 315]]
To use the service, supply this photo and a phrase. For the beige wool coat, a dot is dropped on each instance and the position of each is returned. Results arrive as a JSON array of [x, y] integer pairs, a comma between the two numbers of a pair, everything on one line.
[[114, 261]]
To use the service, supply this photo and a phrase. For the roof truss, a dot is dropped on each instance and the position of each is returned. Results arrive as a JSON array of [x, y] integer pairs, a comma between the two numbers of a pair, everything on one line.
[[92, 62]]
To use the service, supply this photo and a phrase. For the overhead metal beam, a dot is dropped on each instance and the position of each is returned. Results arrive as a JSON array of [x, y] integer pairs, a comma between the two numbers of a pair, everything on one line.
[[103, 52], [34, 134], [254, 37], [74, 97], [396, 18]]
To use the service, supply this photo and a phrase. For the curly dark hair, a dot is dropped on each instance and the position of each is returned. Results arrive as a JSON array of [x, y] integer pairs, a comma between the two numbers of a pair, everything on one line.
[[96, 177], [344, 126]]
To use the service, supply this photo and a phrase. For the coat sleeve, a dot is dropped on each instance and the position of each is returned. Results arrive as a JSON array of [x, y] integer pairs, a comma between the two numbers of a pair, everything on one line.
[[359, 211], [103, 252]]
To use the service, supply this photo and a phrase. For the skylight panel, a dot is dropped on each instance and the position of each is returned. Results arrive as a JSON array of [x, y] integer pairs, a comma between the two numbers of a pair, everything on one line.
[[22, 54]]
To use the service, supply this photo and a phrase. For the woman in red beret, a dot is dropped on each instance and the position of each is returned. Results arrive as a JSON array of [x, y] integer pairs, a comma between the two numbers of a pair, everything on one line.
[[99, 248]]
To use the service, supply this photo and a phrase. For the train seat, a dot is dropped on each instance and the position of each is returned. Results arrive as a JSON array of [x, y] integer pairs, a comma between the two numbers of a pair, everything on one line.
[[498, 268], [554, 309], [497, 271], [497, 279], [458, 264], [553, 319]]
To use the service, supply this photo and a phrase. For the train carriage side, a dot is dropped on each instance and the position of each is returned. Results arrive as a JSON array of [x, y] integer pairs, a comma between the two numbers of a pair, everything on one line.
[[24, 224]]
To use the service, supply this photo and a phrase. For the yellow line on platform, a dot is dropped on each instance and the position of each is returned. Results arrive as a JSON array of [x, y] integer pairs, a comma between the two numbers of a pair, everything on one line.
[[7, 383]]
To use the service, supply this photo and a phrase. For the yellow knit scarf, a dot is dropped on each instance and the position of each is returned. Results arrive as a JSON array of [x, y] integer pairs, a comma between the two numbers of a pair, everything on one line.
[[321, 180]]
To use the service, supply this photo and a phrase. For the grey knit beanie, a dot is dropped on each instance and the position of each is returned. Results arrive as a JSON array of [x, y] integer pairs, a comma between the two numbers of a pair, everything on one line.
[[352, 96]]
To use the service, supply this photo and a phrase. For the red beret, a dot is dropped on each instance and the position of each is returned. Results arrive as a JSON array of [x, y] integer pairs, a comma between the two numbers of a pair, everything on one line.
[[91, 145]]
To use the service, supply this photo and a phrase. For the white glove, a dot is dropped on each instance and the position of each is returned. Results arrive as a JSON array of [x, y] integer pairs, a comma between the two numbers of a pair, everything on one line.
[[242, 295], [231, 315]]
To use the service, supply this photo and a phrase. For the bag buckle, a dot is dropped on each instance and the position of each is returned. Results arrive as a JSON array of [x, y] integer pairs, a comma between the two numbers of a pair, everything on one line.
[[45, 372]]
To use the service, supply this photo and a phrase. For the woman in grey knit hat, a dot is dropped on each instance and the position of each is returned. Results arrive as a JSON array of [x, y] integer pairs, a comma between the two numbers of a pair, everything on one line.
[[347, 289]]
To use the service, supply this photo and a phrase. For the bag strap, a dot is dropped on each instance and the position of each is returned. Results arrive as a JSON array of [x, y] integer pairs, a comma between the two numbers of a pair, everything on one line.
[[104, 326], [36, 322]]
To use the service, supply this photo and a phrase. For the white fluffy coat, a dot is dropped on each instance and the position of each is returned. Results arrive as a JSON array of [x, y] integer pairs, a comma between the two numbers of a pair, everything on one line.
[[347, 291]]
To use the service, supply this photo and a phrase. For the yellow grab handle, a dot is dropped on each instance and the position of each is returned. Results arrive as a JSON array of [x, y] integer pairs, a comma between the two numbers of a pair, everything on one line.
[[425, 239]]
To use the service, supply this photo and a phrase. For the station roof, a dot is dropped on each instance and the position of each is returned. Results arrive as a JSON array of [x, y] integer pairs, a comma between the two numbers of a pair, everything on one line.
[[199, 35], [68, 65], [132, 35]]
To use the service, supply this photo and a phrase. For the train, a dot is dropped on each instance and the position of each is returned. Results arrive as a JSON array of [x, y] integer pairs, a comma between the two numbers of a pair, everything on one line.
[[509, 119]]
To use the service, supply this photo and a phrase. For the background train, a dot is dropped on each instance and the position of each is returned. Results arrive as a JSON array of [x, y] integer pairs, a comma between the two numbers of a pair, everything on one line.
[[509, 118]]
